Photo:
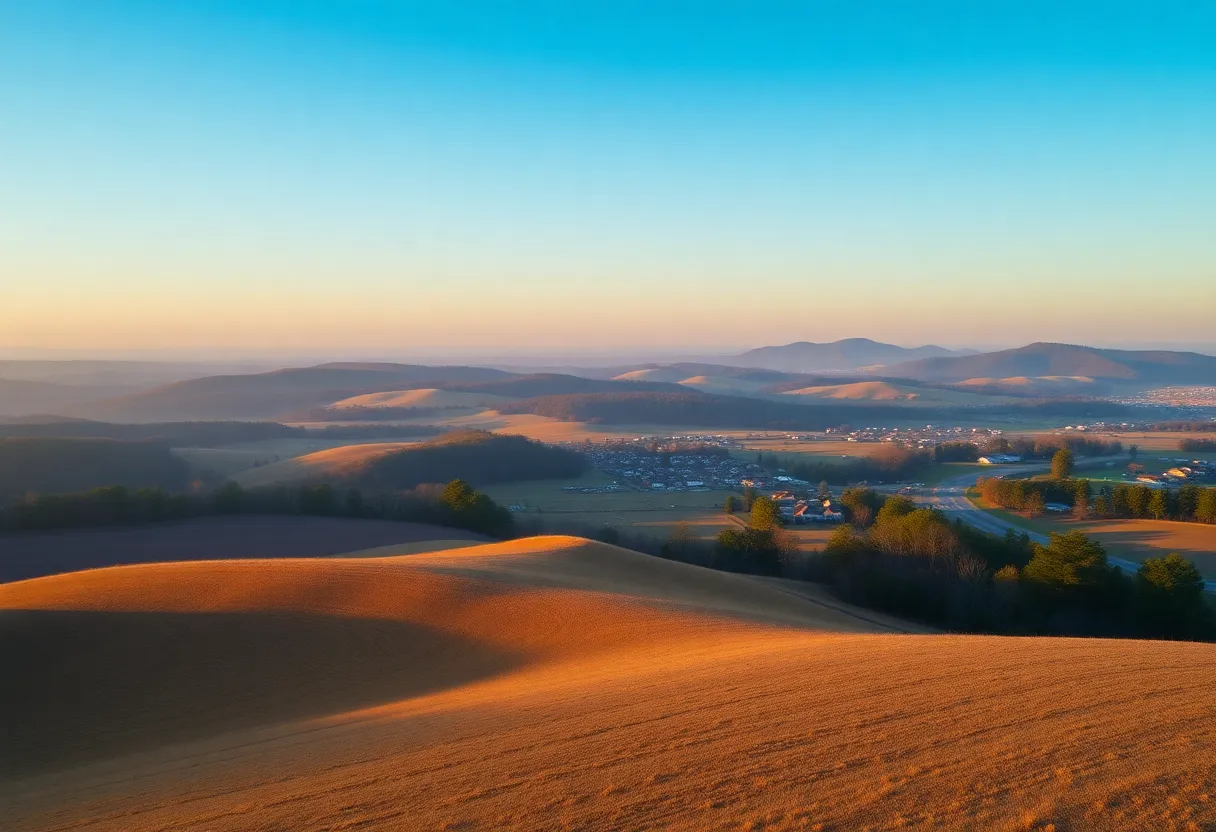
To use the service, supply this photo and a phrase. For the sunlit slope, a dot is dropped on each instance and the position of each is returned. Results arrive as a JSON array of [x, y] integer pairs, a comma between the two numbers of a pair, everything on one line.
[[332, 462], [254, 642], [886, 391], [421, 398], [554, 683]]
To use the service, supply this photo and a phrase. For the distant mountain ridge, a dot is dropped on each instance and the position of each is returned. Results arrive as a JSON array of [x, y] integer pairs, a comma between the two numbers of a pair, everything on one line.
[[1047, 359], [847, 354]]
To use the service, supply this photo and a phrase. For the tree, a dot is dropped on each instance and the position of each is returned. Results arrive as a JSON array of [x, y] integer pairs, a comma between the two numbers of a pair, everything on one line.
[[1158, 504], [609, 535], [824, 491], [228, 499], [750, 550], [1137, 500], [861, 505], [1133, 451], [749, 497], [1170, 596], [893, 508], [1205, 506], [1062, 464], [731, 504], [1188, 501], [764, 515], [1080, 506], [1035, 504], [1068, 560]]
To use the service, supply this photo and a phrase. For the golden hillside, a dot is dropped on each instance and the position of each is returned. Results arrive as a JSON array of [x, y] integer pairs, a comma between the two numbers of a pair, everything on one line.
[[554, 683], [424, 397], [331, 462]]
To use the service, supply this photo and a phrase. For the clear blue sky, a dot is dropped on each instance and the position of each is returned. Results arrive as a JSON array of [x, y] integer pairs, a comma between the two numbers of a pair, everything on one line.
[[393, 176]]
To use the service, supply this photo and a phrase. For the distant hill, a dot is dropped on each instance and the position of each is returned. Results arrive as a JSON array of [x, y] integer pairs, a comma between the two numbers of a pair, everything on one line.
[[423, 397], [55, 466], [19, 397], [886, 390], [266, 395], [849, 354], [551, 384], [704, 410], [198, 434], [1046, 360], [1037, 386], [477, 457]]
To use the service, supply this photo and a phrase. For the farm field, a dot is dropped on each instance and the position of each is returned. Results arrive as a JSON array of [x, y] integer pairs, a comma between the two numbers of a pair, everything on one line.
[[1134, 540], [433, 691], [1154, 441], [34, 554], [635, 511]]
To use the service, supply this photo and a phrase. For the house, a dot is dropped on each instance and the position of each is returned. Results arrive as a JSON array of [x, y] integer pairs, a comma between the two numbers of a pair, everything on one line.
[[998, 459]]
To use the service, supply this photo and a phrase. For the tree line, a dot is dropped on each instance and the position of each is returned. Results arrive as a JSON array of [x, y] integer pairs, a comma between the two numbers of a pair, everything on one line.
[[915, 563], [1197, 445], [1189, 503], [456, 505]]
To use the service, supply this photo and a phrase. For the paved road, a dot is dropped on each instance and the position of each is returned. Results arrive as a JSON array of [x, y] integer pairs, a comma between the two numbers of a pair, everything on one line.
[[950, 496]]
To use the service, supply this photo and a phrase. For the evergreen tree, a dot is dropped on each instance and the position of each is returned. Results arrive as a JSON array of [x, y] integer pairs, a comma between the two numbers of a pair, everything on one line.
[[1062, 464], [1205, 506], [1069, 560], [764, 515], [1158, 504]]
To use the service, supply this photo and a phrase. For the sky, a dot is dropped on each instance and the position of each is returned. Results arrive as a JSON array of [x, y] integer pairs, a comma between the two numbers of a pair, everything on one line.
[[400, 178]]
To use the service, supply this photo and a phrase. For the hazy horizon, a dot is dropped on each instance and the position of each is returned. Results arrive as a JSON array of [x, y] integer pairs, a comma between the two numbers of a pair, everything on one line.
[[395, 179], [519, 357]]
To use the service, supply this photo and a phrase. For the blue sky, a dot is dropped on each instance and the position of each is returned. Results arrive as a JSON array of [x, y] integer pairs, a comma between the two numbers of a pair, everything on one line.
[[390, 177]]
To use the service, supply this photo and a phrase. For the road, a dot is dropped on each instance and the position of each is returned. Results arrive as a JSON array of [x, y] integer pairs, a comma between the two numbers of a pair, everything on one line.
[[950, 496]]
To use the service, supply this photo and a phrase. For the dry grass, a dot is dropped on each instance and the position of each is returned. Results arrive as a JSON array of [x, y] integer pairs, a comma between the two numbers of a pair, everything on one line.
[[449, 691], [1140, 539], [639, 512], [334, 462], [424, 397], [885, 391]]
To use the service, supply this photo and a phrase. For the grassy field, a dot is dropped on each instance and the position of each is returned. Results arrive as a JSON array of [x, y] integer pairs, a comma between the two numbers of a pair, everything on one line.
[[635, 511], [1134, 540], [553, 683]]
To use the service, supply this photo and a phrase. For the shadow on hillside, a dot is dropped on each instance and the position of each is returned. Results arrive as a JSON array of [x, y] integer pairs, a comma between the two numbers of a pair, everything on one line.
[[79, 687]]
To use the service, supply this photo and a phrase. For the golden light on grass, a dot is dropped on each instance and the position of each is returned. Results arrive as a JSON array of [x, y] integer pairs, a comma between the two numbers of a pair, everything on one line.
[[556, 683]]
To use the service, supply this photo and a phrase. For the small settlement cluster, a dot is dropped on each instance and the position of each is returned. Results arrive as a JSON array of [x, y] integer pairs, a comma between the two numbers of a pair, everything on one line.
[[810, 510]]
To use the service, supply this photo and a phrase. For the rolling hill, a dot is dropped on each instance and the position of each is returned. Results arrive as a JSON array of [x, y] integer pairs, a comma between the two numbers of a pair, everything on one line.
[[848, 354], [888, 391], [425, 397], [446, 690], [1141, 367], [1036, 386], [266, 395], [19, 397], [477, 457]]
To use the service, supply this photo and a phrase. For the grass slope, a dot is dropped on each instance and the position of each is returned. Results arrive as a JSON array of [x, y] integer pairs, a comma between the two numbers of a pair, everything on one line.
[[446, 691], [427, 397]]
